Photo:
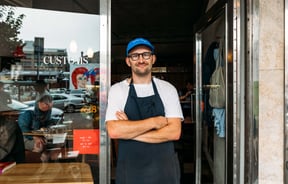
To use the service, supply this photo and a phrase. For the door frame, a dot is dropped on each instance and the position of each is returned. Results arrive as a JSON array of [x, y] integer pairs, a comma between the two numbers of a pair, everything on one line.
[[219, 9], [105, 78]]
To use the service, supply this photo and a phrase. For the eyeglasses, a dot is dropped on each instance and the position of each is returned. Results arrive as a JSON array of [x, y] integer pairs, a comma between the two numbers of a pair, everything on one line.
[[145, 55]]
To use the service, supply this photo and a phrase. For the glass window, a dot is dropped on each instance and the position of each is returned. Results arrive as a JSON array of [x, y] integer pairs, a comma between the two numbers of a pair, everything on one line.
[[43, 52]]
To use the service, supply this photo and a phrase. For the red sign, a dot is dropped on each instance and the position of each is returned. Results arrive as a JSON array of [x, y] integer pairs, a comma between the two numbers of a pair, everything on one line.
[[86, 141], [18, 53]]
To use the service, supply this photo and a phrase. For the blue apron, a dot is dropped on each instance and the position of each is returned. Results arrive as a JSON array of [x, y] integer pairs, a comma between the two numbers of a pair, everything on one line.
[[146, 163]]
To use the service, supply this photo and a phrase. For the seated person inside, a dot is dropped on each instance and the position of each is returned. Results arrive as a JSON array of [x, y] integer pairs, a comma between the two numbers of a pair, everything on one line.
[[37, 119], [185, 99]]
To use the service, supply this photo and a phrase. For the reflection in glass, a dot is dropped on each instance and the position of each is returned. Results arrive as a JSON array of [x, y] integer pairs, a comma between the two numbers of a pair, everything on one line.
[[49, 45]]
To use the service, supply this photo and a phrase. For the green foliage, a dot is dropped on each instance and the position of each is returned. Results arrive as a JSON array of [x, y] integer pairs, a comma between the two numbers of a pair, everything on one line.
[[10, 26]]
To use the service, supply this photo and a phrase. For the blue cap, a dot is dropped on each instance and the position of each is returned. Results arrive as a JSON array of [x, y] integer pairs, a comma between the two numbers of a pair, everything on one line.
[[136, 42]]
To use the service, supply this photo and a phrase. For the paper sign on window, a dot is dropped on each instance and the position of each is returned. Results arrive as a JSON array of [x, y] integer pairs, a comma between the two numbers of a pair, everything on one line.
[[86, 141]]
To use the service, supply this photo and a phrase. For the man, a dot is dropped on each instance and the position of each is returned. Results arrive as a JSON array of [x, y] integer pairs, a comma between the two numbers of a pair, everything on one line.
[[36, 119], [144, 114], [185, 94], [185, 98]]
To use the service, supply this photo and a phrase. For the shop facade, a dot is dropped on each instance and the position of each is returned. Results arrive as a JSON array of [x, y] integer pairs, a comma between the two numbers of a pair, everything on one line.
[[251, 37]]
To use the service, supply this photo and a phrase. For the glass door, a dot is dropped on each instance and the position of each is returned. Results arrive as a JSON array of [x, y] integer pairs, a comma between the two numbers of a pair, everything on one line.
[[63, 52], [211, 69]]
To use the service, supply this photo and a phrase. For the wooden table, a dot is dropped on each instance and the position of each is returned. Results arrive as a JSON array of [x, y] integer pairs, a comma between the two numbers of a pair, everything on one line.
[[75, 172], [69, 136]]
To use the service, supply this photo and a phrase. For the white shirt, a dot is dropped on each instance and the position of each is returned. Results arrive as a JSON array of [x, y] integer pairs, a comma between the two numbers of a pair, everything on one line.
[[118, 95]]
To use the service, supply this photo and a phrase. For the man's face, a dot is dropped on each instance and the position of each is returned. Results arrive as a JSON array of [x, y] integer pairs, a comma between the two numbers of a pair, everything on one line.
[[45, 106], [141, 60], [189, 86]]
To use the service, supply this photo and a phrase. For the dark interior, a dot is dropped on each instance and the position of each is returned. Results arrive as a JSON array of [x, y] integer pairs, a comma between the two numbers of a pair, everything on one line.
[[168, 25]]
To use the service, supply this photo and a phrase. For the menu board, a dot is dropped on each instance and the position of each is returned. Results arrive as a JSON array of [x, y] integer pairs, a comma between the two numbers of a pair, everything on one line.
[[86, 141]]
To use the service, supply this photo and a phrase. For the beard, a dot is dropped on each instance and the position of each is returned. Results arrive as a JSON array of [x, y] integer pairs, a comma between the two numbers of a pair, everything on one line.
[[142, 73]]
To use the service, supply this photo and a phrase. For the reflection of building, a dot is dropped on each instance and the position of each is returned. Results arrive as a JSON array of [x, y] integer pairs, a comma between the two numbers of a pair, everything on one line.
[[26, 68], [51, 65], [30, 62], [95, 58]]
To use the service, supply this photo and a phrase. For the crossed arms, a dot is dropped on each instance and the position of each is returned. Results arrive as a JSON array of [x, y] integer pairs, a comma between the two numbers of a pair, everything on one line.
[[151, 130]]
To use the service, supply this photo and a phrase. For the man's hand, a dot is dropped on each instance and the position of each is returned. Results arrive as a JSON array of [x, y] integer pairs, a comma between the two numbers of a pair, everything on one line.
[[121, 115], [158, 121], [39, 143]]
